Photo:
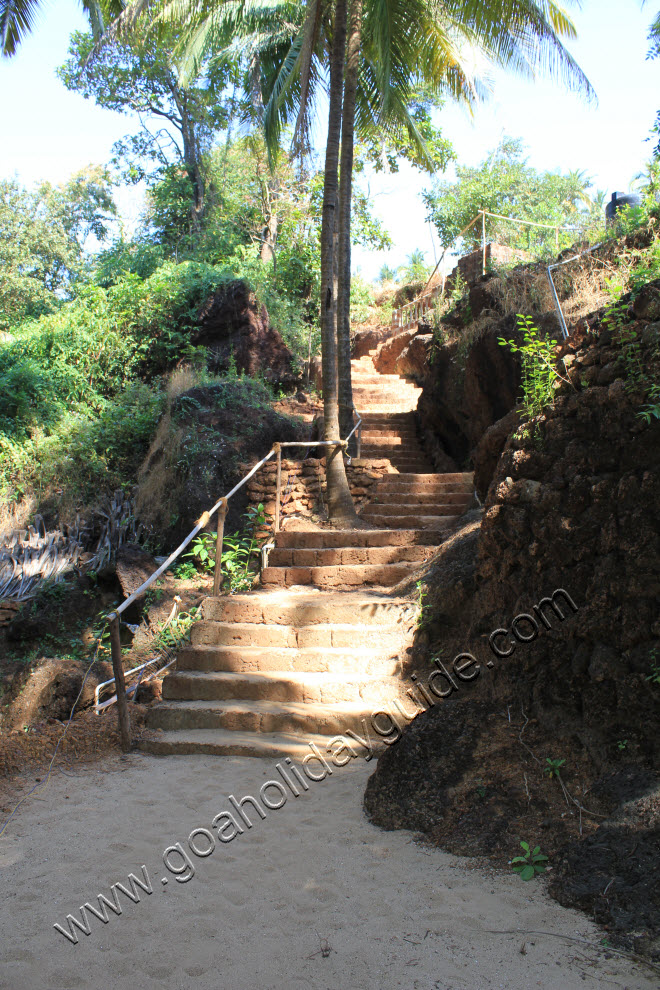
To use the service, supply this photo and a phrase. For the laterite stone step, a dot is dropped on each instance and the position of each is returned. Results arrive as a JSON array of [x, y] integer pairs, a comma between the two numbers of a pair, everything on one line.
[[360, 538], [292, 637], [331, 556], [309, 607], [341, 576], [280, 686], [262, 716], [392, 486], [409, 519], [438, 508], [374, 421], [240, 660], [411, 478], [373, 378], [220, 742], [459, 499], [391, 441]]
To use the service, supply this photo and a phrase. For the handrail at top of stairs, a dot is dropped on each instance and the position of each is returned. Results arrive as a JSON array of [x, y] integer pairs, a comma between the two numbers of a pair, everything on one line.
[[221, 508], [405, 315]]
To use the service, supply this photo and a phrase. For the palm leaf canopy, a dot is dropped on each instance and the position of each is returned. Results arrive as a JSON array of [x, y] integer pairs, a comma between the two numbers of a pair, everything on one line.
[[406, 44], [19, 17]]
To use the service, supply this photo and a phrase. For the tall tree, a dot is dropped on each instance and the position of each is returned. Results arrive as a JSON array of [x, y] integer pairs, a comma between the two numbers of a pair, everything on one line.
[[504, 183], [178, 120], [18, 19], [340, 503], [42, 239], [344, 383]]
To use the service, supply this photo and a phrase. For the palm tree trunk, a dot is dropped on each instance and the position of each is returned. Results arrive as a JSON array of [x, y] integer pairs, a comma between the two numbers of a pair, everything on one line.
[[345, 385], [340, 503]]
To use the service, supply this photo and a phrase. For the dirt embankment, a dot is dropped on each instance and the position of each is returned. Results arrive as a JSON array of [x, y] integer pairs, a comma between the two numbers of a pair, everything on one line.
[[201, 449]]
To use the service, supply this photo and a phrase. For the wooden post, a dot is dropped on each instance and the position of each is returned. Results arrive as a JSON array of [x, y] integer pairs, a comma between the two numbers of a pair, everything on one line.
[[309, 357], [483, 242], [278, 490], [217, 574], [120, 684]]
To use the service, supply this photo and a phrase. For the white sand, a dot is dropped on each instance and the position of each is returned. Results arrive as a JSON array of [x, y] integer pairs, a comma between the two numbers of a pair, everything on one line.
[[393, 913]]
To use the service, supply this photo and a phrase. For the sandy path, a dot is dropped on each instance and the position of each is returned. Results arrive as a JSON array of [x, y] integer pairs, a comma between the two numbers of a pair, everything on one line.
[[394, 913]]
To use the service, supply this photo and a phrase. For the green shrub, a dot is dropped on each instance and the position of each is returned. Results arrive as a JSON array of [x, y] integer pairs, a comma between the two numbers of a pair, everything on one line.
[[538, 362], [74, 412], [362, 299], [82, 453]]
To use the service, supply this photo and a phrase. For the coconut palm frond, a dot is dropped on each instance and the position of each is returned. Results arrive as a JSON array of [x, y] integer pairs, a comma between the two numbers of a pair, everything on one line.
[[310, 34], [17, 19]]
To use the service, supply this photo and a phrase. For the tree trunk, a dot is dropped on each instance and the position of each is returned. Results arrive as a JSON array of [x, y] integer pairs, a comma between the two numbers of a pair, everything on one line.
[[193, 168], [345, 385], [269, 195], [340, 503]]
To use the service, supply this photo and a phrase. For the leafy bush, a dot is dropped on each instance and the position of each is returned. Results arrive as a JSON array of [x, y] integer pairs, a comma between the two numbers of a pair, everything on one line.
[[77, 355], [538, 365], [139, 257], [238, 552], [82, 453], [362, 299], [73, 413]]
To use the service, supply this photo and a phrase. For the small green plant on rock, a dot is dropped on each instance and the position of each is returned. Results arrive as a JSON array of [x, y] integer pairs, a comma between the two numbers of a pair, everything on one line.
[[185, 570], [636, 376], [238, 551], [422, 592], [539, 374], [177, 631], [153, 595], [530, 864], [622, 743], [654, 676], [553, 767], [652, 409], [459, 289]]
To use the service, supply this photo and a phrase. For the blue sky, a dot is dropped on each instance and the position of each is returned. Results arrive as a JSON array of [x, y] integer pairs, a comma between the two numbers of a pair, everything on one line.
[[48, 133]]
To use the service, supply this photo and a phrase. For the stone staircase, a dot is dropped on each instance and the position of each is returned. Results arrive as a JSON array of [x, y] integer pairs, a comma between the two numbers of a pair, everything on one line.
[[424, 502], [271, 672], [311, 655]]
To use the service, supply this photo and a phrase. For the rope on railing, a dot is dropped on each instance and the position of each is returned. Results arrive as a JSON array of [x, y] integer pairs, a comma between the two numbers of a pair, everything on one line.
[[221, 508]]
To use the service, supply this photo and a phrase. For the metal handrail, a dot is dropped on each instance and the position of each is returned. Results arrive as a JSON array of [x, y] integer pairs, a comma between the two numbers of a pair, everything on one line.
[[358, 427], [221, 508], [397, 314], [550, 269]]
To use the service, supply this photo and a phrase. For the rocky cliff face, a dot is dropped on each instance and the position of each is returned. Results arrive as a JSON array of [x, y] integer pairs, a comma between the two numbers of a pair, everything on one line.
[[573, 505], [468, 388], [233, 324]]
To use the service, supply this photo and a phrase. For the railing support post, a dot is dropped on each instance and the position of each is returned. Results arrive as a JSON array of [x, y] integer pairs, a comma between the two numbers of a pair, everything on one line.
[[217, 574], [120, 684], [483, 242], [278, 490]]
